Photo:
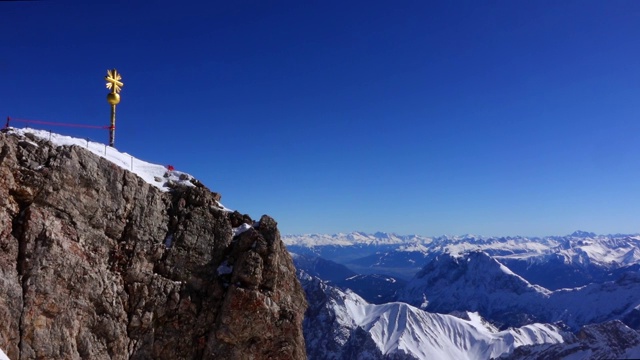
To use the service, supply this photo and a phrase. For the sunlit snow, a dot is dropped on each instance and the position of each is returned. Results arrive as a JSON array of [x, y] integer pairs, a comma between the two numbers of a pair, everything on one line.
[[157, 175], [240, 229], [401, 328]]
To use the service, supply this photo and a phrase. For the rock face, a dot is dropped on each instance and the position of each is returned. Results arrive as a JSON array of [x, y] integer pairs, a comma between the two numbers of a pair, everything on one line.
[[97, 264]]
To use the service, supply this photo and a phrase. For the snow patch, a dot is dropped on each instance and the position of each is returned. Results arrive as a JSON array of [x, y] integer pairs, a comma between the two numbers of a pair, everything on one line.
[[240, 229]]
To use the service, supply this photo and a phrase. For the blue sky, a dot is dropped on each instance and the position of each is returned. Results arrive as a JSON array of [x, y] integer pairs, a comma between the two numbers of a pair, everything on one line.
[[492, 118]]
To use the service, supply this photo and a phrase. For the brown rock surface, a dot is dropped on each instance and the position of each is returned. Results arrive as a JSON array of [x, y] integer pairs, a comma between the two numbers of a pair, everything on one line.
[[97, 264]]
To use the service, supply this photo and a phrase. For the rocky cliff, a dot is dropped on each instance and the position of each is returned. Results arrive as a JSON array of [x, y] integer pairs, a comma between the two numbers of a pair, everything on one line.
[[95, 263]]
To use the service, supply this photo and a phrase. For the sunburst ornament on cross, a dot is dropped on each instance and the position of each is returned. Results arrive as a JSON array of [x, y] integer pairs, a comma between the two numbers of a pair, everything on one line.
[[115, 85]]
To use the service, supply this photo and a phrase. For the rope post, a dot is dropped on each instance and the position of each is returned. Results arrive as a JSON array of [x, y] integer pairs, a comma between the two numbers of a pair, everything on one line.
[[49, 135], [131, 163], [6, 126]]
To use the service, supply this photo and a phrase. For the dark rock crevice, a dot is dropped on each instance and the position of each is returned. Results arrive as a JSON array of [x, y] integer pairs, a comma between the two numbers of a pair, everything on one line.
[[23, 199], [16, 231]]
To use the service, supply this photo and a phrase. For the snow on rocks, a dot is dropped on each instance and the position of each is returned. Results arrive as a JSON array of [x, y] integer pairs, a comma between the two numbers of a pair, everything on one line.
[[151, 173], [240, 229], [162, 177]]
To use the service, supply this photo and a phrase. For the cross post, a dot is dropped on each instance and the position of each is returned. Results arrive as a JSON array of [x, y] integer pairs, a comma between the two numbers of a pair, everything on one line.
[[113, 82]]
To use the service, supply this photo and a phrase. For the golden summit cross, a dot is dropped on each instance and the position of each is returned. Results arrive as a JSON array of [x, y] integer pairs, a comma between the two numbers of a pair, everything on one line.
[[115, 85], [113, 80]]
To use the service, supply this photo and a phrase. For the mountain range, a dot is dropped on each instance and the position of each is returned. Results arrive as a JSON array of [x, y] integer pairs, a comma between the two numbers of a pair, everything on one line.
[[478, 282], [579, 292], [580, 257], [341, 325]]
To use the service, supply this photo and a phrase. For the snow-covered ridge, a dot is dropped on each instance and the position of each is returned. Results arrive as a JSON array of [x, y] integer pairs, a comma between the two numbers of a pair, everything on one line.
[[609, 340], [154, 174], [403, 330], [353, 238], [478, 282], [609, 250]]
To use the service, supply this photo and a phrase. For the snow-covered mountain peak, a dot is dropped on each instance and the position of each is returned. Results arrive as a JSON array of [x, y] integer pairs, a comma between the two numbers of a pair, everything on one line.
[[478, 282], [351, 239], [340, 325], [582, 234], [476, 266], [608, 340]]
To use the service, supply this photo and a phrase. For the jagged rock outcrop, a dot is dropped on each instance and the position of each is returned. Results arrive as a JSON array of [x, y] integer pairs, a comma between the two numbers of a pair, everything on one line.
[[95, 263]]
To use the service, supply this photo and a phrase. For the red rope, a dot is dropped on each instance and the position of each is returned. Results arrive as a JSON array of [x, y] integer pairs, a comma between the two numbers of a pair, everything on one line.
[[61, 124]]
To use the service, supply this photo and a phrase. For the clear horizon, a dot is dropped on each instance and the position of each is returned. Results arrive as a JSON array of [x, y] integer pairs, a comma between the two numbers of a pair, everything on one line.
[[497, 119], [463, 235]]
